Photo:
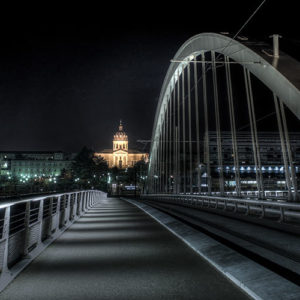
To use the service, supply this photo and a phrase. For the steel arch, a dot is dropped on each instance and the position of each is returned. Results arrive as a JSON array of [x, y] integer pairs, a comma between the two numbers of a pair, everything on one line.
[[281, 75]]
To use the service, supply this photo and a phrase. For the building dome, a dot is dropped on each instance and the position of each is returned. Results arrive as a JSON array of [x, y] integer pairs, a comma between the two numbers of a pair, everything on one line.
[[120, 156], [120, 135]]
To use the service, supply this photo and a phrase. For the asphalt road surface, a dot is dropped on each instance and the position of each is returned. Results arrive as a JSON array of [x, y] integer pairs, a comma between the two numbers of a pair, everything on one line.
[[116, 251]]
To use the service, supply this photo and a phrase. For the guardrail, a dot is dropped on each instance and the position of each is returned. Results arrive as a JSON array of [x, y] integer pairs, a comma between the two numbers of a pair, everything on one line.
[[28, 226], [269, 194], [279, 211]]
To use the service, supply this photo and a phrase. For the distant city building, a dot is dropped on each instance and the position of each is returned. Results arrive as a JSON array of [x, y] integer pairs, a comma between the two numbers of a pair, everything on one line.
[[120, 155], [269, 146], [272, 165], [31, 164]]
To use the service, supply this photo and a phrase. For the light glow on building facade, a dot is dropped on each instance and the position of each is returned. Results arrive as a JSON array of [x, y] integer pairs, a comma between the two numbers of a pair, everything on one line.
[[120, 155]]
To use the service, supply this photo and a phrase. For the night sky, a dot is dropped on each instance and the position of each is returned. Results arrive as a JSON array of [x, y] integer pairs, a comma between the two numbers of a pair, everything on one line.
[[66, 79]]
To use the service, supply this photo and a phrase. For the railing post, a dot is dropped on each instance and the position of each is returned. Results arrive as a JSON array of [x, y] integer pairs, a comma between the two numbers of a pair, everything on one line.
[[57, 213], [247, 209], [86, 202], [89, 200], [67, 209], [5, 237], [262, 211], [80, 203], [26, 224], [235, 206], [40, 220], [51, 217], [83, 201], [281, 214], [93, 200], [74, 213]]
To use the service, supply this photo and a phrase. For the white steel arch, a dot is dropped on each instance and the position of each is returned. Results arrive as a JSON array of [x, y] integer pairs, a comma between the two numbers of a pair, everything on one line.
[[281, 75]]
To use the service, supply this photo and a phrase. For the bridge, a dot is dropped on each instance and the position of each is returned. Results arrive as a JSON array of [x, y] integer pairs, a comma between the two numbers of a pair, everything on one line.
[[219, 216]]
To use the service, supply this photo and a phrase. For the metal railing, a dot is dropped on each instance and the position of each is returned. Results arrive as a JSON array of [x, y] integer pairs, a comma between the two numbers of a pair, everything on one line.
[[279, 211], [28, 226]]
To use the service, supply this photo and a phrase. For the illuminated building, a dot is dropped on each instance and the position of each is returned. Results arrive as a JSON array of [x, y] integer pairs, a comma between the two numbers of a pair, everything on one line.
[[31, 164], [120, 155]]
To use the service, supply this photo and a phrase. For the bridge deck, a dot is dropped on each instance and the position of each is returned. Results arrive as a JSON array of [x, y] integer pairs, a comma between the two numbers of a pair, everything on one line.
[[116, 251]]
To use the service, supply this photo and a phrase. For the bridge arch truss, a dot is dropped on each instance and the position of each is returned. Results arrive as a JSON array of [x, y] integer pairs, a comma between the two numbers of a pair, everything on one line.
[[197, 91]]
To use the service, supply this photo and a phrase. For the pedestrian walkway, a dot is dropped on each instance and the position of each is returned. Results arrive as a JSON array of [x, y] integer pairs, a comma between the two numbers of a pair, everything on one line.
[[116, 251]]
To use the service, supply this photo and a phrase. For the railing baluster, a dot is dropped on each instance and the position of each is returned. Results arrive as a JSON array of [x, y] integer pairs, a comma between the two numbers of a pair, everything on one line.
[[27, 228], [5, 237], [40, 220]]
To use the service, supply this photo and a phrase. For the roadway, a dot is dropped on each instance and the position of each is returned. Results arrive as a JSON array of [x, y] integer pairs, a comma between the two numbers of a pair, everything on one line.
[[116, 251]]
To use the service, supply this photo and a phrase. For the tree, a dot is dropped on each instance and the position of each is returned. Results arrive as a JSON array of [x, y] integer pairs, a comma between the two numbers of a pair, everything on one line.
[[88, 170]]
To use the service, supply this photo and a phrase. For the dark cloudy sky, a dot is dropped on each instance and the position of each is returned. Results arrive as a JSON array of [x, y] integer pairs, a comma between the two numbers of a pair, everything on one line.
[[68, 76]]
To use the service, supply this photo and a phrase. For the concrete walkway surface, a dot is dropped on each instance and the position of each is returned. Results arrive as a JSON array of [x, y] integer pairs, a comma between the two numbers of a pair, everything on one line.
[[116, 251]]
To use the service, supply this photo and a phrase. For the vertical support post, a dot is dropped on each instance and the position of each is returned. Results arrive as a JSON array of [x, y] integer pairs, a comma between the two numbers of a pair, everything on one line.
[[162, 136], [5, 237], [160, 158], [79, 204], [177, 162], [90, 200], [254, 137], [67, 209], [190, 130], [163, 151], [57, 215], [87, 201], [74, 206], [167, 146], [233, 127], [84, 201], [283, 147], [26, 225], [40, 220], [153, 168], [154, 165], [170, 140], [197, 125], [289, 152], [218, 125], [178, 135], [183, 131], [276, 45], [174, 136], [206, 137], [50, 217]]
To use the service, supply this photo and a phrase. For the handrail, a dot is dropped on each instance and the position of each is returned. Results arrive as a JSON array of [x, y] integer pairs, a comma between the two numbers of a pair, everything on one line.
[[266, 209], [250, 201], [27, 228], [36, 198]]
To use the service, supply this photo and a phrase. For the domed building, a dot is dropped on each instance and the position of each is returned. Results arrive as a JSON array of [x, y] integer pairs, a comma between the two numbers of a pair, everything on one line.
[[120, 155]]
